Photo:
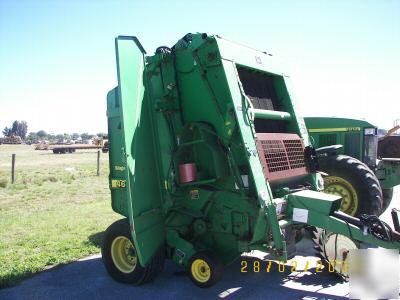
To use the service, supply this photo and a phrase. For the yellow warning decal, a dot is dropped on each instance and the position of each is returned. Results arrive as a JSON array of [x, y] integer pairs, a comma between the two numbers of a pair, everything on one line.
[[118, 183], [119, 168]]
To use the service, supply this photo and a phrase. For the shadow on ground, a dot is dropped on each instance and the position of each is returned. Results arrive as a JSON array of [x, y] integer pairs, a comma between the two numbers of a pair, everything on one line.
[[96, 239], [88, 279]]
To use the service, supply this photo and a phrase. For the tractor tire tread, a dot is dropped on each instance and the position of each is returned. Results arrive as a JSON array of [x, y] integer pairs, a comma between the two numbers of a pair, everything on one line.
[[387, 198], [363, 180]]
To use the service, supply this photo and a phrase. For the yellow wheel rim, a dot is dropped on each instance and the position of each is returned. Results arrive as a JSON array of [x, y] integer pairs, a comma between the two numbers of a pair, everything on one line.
[[201, 271], [123, 254], [341, 187]]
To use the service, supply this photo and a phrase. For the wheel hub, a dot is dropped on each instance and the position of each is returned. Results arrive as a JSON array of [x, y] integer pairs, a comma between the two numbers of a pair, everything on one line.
[[336, 248], [123, 254], [201, 270], [341, 187]]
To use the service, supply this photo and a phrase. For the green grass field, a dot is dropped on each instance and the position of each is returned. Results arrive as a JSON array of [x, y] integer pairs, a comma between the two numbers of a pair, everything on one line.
[[54, 213]]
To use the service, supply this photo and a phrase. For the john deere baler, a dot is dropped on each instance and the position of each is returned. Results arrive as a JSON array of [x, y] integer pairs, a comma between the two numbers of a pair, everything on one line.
[[209, 159]]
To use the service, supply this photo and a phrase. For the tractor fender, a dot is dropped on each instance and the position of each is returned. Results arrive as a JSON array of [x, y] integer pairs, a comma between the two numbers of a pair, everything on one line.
[[328, 150]]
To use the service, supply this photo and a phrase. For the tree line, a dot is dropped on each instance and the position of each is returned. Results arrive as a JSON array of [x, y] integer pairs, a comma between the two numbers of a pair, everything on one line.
[[20, 128]]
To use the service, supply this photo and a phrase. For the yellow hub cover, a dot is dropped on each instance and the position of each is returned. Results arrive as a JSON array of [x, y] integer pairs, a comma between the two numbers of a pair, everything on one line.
[[341, 187], [201, 271], [123, 254]]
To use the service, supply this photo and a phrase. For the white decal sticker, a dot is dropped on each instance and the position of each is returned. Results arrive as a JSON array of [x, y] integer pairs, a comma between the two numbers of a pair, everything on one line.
[[300, 215]]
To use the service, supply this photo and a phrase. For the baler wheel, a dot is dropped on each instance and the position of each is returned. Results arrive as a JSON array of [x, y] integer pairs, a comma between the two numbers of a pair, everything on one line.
[[205, 269], [387, 198], [333, 249], [120, 256], [354, 182], [124, 254]]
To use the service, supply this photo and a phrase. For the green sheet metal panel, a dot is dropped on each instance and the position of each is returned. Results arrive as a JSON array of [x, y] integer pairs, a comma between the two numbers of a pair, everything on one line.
[[326, 124], [348, 132], [119, 201], [352, 144], [142, 190]]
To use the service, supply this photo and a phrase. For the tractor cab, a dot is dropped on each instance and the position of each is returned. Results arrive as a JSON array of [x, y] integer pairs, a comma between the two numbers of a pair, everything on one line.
[[346, 174], [358, 137]]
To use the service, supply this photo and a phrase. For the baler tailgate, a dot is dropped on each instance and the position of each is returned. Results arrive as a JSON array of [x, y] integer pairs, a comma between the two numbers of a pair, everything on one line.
[[142, 187]]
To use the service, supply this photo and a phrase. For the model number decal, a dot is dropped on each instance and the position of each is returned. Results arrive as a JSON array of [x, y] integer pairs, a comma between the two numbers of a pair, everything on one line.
[[118, 183]]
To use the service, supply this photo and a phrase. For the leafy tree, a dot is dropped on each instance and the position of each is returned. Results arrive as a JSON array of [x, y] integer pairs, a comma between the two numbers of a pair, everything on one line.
[[14, 127], [101, 134], [86, 136], [59, 137], [22, 129], [17, 128], [41, 134], [32, 137], [7, 131], [75, 136], [51, 137]]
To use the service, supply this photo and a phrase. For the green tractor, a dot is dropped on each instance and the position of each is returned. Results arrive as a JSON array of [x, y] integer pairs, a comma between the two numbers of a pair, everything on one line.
[[209, 159], [355, 170]]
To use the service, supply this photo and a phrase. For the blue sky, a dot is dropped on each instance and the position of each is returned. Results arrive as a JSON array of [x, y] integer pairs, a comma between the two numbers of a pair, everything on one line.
[[57, 58]]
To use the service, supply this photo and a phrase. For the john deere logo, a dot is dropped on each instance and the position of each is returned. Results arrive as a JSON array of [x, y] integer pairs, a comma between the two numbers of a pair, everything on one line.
[[119, 168], [353, 128]]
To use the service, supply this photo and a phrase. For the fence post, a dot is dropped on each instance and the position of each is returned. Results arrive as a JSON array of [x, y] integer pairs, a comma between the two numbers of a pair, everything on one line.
[[12, 168], [98, 162]]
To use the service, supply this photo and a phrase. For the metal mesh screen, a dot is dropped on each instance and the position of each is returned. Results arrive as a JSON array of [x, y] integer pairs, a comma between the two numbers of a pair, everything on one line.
[[275, 155], [295, 153], [282, 155]]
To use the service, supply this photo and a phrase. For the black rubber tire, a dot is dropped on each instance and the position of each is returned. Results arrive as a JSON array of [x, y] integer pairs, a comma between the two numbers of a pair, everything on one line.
[[216, 268], [362, 179], [316, 235], [139, 275], [387, 198]]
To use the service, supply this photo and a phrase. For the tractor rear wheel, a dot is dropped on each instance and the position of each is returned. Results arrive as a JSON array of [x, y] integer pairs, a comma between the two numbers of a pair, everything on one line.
[[205, 269], [354, 182], [120, 257], [387, 198]]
